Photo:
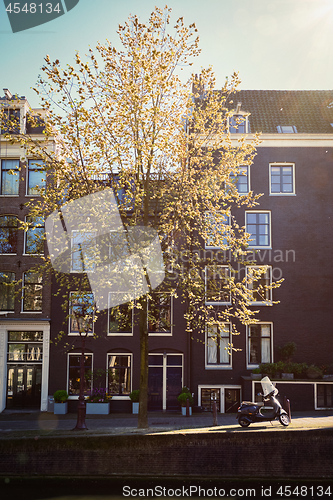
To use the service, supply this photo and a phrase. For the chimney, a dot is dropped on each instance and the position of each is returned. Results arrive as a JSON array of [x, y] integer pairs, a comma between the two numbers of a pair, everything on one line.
[[8, 94]]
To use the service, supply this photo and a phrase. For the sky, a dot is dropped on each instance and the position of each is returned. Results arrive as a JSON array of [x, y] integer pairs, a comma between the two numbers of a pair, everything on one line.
[[273, 44]]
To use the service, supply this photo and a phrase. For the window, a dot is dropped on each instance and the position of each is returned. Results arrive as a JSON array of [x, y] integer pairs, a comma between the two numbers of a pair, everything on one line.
[[10, 121], [258, 225], [217, 285], [74, 374], [34, 237], [217, 226], [9, 177], [119, 374], [239, 124], [83, 255], [81, 313], [218, 353], [259, 343], [32, 292], [121, 320], [324, 396], [260, 294], [282, 179], [159, 313], [36, 177], [7, 291], [286, 129], [25, 346], [242, 180], [8, 234]]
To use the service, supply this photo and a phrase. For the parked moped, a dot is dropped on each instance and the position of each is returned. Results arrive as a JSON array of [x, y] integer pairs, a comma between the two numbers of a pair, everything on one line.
[[250, 412]]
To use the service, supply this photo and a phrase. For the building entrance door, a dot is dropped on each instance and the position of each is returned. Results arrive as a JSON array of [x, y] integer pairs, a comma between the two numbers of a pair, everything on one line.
[[24, 386], [165, 378]]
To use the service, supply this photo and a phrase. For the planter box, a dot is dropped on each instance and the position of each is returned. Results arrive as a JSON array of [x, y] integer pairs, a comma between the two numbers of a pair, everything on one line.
[[256, 376], [135, 407], [60, 408], [184, 410], [97, 408], [288, 376]]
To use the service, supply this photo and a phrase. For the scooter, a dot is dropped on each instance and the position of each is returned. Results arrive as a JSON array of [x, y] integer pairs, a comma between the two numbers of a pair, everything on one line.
[[249, 412]]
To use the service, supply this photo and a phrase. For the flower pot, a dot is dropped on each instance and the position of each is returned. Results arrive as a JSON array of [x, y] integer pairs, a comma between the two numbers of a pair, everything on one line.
[[135, 407], [288, 376], [256, 376], [184, 410], [97, 408], [60, 408]]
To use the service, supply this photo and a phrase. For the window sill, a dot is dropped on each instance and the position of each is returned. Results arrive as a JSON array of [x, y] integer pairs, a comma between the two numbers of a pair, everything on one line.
[[218, 303], [160, 334], [218, 367], [9, 195], [120, 334], [282, 194]]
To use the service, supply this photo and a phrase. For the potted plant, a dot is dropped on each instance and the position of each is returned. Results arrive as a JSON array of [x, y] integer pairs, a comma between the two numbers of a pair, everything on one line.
[[98, 402], [182, 399], [268, 369], [256, 374], [60, 402], [134, 397], [314, 372]]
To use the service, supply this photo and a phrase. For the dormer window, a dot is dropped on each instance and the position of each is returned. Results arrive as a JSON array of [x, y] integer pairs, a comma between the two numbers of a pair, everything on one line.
[[286, 129], [239, 122], [10, 121]]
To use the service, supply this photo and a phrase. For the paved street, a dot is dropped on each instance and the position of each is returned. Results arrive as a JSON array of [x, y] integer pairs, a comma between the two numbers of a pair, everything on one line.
[[13, 422]]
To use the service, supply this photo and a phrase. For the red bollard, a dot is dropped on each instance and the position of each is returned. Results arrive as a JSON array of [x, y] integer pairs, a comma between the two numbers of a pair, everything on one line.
[[214, 412]]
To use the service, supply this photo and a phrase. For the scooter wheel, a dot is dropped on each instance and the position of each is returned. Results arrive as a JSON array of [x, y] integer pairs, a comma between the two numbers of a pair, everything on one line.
[[284, 419], [243, 422]]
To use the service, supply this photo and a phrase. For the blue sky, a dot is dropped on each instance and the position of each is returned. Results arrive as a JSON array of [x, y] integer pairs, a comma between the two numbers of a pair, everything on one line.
[[273, 44]]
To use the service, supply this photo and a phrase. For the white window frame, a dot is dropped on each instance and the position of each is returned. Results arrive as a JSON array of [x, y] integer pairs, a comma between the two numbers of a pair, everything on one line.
[[76, 333], [84, 266], [282, 129], [208, 302], [251, 245], [209, 220], [18, 177], [218, 365], [245, 120], [23, 292], [261, 302], [119, 397], [37, 161], [119, 334], [236, 177], [77, 353], [278, 164], [221, 389], [26, 234], [249, 365], [162, 334]]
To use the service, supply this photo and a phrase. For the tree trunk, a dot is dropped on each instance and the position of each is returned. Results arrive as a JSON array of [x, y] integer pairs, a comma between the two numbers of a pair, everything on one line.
[[144, 350]]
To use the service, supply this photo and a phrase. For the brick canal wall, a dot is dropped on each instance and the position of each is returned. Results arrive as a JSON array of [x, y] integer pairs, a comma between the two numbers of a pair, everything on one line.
[[274, 454]]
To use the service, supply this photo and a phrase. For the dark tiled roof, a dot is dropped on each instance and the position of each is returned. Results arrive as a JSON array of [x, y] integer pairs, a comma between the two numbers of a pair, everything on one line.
[[311, 111]]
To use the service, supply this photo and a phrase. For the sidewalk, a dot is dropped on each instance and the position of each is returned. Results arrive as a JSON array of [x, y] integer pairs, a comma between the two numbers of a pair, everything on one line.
[[16, 423]]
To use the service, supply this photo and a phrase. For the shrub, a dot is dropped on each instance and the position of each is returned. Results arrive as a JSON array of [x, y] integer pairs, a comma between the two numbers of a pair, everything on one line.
[[135, 395], [268, 368], [314, 372], [184, 396], [60, 396]]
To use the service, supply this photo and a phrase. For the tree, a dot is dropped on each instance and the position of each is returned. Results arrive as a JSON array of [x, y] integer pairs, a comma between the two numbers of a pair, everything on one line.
[[125, 119]]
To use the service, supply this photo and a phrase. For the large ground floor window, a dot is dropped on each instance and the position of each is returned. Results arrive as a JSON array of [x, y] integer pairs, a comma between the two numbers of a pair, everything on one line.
[[74, 373], [227, 398], [119, 374]]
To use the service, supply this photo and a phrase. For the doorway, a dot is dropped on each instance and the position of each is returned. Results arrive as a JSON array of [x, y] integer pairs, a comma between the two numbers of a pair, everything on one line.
[[24, 384], [165, 376], [227, 397]]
